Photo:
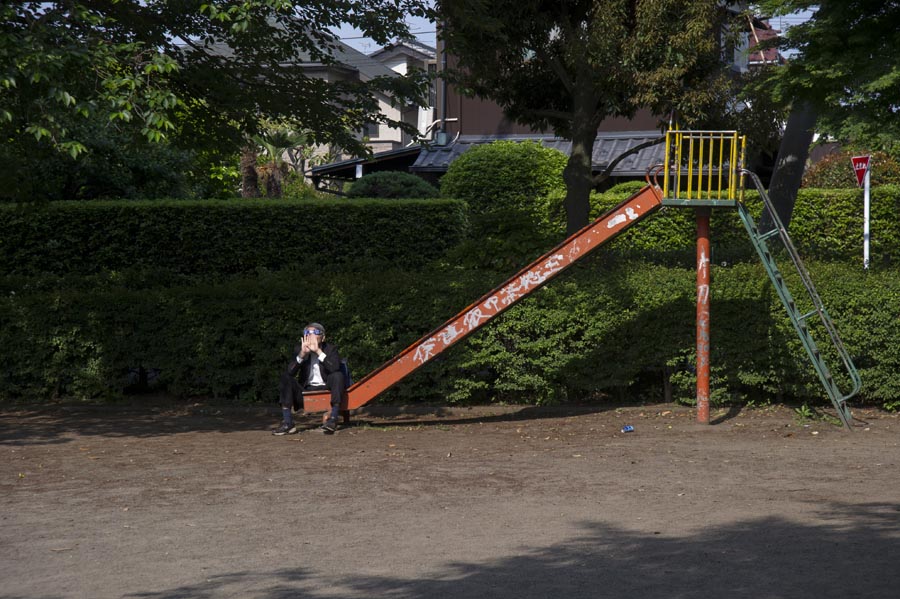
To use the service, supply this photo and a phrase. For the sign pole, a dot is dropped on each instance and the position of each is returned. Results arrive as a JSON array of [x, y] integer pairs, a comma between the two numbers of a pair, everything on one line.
[[862, 170], [866, 205]]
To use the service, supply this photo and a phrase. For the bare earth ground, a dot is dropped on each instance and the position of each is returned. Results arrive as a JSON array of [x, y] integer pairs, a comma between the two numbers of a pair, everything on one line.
[[166, 500]]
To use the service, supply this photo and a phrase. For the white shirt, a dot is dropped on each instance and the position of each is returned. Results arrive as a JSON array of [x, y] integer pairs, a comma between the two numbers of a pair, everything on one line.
[[315, 374]]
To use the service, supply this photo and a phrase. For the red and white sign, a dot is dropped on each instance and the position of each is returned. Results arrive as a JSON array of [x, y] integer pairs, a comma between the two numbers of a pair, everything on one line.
[[860, 167]]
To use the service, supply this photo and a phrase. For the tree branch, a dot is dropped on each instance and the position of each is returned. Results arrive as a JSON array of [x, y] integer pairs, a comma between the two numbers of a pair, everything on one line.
[[604, 175], [557, 67]]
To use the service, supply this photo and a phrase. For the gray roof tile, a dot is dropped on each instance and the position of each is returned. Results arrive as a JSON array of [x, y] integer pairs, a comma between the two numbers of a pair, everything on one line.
[[607, 147]]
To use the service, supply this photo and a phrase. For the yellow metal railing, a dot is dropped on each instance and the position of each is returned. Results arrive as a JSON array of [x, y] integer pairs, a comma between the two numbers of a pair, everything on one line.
[[703, 165]]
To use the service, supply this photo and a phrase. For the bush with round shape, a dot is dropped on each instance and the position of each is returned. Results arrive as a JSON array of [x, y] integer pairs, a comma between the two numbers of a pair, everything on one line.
[[505, 177], [392, 184]]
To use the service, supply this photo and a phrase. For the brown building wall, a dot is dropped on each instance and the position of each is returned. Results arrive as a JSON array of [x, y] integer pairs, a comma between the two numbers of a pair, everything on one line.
[[474, 116]]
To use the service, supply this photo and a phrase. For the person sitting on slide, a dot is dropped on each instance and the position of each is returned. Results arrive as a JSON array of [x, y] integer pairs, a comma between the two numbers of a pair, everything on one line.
[[318, 365]]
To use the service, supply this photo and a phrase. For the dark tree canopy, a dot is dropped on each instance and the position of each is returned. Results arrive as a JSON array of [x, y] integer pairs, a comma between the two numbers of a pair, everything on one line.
[[567, 65], [847, 69], [199, 68]]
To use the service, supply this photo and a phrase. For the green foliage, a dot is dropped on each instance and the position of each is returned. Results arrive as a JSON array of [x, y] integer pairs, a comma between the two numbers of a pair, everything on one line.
[[114, 165], [618, 330], [510, 188], [628, 187], [846, 67], [835, 171], [392, 184], [827, 225], [205, 294], [566, 67], [505, 177], [214, 237], [543, 62], [296, 187], [188, 73]]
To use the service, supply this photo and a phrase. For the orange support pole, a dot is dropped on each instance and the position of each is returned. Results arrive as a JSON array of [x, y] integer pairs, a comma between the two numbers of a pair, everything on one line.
[[703, 315]]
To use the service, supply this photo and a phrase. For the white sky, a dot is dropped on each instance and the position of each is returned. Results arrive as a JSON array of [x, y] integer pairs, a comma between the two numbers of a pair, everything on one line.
[[422, 29]]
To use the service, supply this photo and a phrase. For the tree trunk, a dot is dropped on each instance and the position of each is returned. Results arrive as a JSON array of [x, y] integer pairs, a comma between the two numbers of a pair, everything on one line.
[[249, 176], [579, 178], [274, 188], [789, 166]]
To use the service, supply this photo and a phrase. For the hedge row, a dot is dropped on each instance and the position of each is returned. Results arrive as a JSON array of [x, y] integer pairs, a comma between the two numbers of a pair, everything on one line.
[[621, 330], [827, 224], [232, 237], [223, 237]]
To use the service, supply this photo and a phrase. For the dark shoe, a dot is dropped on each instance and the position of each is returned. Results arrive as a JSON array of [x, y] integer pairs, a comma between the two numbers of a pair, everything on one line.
[[329, 427], [285, 429]]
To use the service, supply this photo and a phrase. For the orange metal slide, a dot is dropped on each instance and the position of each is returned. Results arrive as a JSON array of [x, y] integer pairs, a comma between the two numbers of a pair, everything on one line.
[[495, 301]]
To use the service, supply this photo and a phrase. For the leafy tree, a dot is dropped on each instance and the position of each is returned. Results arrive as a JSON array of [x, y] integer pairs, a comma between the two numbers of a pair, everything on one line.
[[845, 83], [568, 65], [847, 68], [211, 68], [275, 142]]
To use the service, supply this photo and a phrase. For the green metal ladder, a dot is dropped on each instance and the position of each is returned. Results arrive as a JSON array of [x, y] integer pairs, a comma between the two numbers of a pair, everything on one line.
[[838, 398]]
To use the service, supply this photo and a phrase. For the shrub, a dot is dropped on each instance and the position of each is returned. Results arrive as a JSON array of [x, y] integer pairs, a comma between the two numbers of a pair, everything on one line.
[[826, 225], [296, 187], [219, 237], [835, 171], [505, 178], [514, 192], [629, 187], [115, 165], [621, 330], [392, 184]]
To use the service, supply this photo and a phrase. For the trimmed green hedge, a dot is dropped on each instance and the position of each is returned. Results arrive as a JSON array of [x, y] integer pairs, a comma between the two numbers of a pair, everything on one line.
[[223, 237], [621, 330], [621, 322], [827, 224]]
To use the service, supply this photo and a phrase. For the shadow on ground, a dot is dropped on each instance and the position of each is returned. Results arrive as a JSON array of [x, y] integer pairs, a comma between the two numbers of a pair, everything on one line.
[[61, 424], [851, 552], [58, 424]]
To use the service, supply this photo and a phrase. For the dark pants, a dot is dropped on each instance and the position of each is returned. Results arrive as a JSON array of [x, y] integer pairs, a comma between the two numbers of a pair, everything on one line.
[[290, 391]]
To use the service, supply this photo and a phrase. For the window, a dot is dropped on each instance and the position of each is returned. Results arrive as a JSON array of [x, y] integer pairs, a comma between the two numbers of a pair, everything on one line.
[[371, 130]]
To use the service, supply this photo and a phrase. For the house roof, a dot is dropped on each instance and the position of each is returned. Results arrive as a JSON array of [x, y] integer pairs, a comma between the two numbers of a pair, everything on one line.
[[411, 47], [390, 160], [436, 159], [763, 31], [607, 147], [368, 67], [346, 59]]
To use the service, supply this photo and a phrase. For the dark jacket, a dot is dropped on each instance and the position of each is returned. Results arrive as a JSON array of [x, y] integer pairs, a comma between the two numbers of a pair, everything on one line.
[[331, 363]]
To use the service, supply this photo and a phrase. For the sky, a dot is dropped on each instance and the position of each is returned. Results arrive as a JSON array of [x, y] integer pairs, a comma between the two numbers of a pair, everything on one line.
[[422, 29]]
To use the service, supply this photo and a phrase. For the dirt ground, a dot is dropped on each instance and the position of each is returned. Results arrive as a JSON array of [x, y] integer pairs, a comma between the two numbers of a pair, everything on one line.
[[164, 500]]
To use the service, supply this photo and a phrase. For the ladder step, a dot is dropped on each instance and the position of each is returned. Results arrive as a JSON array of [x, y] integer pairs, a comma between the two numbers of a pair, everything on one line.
[[798, 319], [767, 234]]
